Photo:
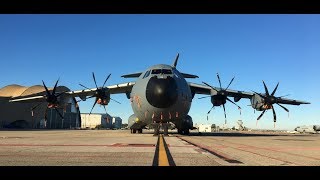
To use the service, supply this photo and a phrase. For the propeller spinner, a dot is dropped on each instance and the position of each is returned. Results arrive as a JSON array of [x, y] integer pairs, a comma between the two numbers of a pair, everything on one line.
[[269, 100], [51, 99], [102, 93], [222, 96]]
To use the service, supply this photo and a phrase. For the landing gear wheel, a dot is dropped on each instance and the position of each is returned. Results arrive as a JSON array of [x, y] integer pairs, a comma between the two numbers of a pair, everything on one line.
[[185, 131], [156, 129], [134, 131], [139, 131], [165, 129]]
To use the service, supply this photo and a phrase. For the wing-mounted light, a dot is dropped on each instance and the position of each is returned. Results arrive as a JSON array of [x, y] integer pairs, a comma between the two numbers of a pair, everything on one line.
[[101, 94], [219, 97]]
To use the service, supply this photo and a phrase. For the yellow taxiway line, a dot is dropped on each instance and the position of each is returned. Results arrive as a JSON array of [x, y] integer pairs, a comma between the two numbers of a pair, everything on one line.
[[163, 157]]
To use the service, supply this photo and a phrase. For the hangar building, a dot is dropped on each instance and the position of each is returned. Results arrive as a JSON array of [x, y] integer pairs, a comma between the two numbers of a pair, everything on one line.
[[19, 114]]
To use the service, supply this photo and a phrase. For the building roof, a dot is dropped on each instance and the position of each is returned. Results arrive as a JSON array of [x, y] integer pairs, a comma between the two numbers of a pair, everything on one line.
[[15, 90]]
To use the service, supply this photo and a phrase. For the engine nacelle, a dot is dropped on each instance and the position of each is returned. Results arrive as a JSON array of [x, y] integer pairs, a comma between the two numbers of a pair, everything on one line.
[[258, 104], [103, 97], [218, 100]]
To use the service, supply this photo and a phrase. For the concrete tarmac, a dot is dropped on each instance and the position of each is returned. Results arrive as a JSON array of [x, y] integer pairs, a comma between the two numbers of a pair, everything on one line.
[[120, 148]]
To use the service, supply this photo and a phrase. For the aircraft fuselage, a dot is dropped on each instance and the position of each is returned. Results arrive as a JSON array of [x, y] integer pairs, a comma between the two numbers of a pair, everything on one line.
[[160, 94]]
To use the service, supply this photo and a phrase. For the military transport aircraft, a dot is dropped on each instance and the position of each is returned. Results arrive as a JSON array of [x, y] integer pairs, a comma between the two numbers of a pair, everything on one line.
[[161, 95]]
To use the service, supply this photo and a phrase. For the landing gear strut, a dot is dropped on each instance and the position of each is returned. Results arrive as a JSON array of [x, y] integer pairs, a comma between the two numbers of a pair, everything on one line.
[[156, 127], [165, 127], [133, 131]]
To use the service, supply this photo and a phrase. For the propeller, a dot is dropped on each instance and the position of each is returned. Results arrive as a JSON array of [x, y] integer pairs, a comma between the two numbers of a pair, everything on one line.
[[51, 99], [100, 94], [223, 95], [269, 100]]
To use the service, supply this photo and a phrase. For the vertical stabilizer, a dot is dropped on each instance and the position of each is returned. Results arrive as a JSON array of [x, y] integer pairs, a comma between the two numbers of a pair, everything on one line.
[[176, 61]]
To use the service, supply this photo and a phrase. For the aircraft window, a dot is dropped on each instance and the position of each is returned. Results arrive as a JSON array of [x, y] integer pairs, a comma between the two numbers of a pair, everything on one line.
[[166, 71], [156, 71], [144, 75], [147, 74], [162, 71]]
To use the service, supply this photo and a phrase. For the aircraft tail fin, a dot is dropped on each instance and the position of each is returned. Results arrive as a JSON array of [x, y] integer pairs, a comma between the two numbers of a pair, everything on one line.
[[175, 61]]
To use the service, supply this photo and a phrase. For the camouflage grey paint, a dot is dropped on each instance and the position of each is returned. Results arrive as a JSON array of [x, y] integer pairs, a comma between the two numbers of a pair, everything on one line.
[[145, 113]]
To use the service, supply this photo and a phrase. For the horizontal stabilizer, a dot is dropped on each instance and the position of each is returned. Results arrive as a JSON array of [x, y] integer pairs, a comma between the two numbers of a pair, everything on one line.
[[185, 75], [133, 75]]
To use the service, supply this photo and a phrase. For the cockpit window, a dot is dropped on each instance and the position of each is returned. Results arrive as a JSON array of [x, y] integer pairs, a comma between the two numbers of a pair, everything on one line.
[[156, 71], [146, 74], [163, 71], [166, 71]]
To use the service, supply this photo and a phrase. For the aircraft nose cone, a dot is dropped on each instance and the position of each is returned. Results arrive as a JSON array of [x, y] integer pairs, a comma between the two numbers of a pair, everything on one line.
[[161, 93]]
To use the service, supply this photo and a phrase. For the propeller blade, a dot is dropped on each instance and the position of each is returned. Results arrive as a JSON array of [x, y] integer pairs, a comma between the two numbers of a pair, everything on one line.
[[219, 81], [230, 83], [261, 114], [85, 87], [115, 101], [36, 106], [105, 109], [55, 87], [94, 78], [210, 86], [233, 103], [61, 93], [106, 80], [204, 97], [266, 89], [59, 113], [283, 107], [259, 94], [225, 115], [274, 115], [209, 112], [48, 92], [95, 102], [275, 89]]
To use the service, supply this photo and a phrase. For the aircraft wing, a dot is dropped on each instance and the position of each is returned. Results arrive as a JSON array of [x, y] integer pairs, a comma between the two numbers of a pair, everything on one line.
[[203, 89], [290, 101], [114, 89], [29, 99]]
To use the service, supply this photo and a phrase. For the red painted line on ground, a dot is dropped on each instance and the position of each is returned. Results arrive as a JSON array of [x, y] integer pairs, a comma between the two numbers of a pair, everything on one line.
[[268, 149], [275, 150], [278, 159], [209, 149], [96, 145], [60, 156]]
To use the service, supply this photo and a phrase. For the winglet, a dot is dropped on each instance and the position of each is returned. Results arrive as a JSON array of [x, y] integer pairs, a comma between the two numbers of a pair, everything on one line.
[[176, 61]]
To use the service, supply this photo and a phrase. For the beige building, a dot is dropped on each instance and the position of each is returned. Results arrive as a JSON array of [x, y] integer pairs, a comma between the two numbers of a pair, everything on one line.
[[19, 114], [94, 120]]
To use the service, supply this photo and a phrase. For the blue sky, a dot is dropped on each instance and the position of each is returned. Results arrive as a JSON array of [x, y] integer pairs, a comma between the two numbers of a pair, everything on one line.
[[273, 48]]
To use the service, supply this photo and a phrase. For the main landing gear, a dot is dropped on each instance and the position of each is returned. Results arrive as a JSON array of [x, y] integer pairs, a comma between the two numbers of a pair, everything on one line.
[[133, 131], [157, 127]]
